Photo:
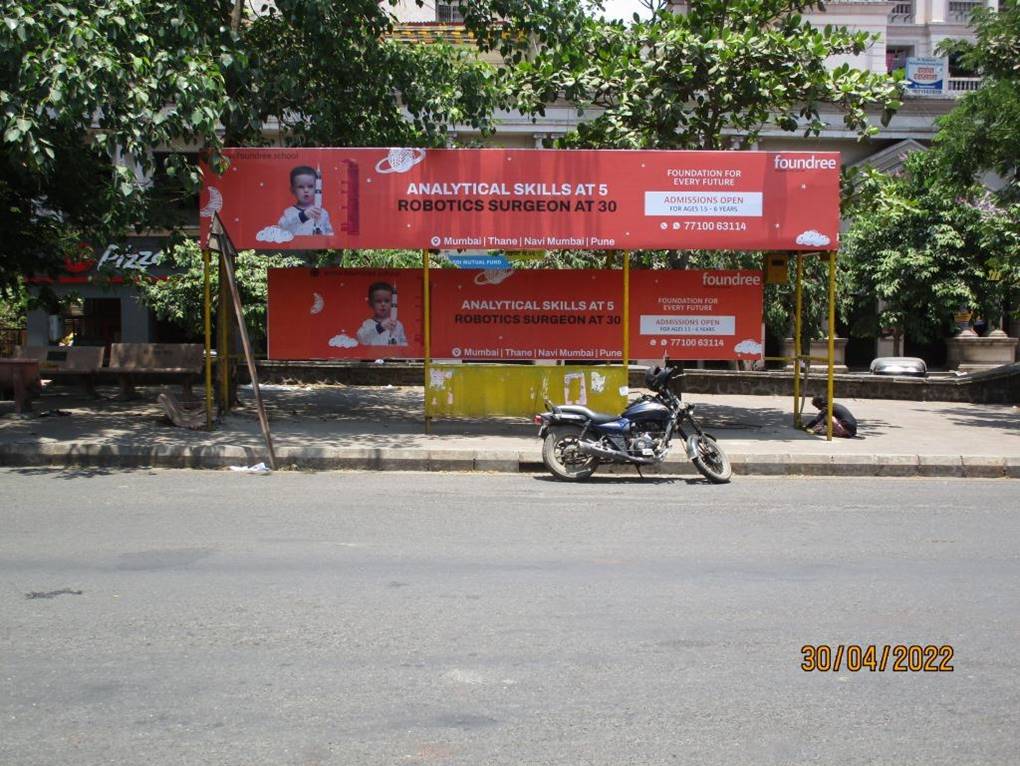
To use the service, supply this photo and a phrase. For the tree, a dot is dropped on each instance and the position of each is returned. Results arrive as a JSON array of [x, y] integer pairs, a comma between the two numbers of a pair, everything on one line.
[[692, 80], [934, 239], [180, 297], [980, 133], [90, 91], [685, 80], [329, 73], [923, 247]]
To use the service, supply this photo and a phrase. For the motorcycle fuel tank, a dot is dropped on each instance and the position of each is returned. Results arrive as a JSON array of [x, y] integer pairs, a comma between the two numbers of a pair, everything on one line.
[[647, 410]]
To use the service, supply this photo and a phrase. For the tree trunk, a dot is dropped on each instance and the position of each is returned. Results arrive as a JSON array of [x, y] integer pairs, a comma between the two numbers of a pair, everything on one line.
[[235, 15]]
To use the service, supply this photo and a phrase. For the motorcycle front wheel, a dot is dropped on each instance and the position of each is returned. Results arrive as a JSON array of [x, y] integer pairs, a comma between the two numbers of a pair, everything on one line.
[[709, 459], [562, 455]]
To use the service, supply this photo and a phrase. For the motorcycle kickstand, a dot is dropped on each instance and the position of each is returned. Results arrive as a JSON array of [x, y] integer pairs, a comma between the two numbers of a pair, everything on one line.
[[638, 467]]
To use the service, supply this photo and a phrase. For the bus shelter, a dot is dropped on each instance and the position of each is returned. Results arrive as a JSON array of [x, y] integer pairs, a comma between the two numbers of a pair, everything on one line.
[[480, 201]]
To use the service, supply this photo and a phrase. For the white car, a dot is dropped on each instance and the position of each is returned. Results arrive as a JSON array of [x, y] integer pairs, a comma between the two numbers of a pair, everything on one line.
[[899, 365]]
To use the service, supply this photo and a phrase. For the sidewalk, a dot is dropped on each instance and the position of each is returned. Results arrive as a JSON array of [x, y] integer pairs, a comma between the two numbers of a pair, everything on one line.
[[382, 428]]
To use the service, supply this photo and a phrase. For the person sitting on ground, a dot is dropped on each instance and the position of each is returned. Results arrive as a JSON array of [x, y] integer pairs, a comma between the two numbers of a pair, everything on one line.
[[843, 422]]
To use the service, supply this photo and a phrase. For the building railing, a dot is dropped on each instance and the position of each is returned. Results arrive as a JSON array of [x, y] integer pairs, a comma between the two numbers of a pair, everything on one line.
[[960, 10], [954, 88], [964, 84]]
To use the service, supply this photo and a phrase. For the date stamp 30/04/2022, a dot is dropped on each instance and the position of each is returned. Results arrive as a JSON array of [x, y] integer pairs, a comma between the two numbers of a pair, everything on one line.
[[899, 658]]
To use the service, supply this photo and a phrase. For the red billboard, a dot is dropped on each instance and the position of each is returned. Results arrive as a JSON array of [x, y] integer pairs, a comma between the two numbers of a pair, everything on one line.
[[525, 199], [522, 314], [527, 314], [696, 314], [345, 313]]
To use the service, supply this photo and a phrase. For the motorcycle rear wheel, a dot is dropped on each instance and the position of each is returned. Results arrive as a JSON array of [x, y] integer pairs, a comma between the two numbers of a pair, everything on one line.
[[563, 458], [710, 460]]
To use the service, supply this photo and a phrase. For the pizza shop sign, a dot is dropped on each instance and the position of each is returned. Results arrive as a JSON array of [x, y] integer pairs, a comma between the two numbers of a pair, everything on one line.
[[115, 258]]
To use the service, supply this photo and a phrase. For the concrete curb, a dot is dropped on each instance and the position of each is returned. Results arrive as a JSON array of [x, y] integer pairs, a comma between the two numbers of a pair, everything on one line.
[[92, 455]]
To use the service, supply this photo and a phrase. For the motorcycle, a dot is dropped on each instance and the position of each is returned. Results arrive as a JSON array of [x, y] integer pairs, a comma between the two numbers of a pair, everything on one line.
[[578, 440]]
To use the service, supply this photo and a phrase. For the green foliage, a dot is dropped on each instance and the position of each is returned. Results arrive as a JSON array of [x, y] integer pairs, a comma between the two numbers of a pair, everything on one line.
[[86, 90], [932, 239], [925, 246], [180, 297], [328, 74], [686, 80], [90, 91], [980, 133], [680, 80], [14, 306]]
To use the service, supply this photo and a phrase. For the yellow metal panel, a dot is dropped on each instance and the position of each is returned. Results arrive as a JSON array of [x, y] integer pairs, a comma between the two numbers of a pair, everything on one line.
[[480, 390]]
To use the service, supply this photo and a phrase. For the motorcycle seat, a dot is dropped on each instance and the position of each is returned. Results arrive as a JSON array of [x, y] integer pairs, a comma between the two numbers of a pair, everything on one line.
[[594, 417]]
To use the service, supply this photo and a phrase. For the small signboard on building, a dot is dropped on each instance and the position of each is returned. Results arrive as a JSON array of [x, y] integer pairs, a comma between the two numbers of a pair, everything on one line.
[[926, 75]]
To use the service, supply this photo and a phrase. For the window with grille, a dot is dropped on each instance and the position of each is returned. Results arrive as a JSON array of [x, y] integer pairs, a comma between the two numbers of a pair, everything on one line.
[[902, 13], [449, 13], [960, 10]]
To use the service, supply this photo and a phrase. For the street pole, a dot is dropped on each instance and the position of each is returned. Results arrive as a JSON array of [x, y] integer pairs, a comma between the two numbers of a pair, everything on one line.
[[796, 340], [427, 362], [227, 253], [626, 318], [207, 319], [832, 340], [223, 315]]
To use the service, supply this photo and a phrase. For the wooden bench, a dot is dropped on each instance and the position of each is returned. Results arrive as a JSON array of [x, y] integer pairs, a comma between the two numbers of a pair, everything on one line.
[[136, 362], [76, 363], [21, 376]]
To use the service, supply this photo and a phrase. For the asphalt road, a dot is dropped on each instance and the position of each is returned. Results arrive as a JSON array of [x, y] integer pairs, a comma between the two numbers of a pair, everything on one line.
[[175, 617]]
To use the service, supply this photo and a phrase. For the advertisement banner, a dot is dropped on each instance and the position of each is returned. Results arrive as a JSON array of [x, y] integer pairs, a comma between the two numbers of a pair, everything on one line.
[[696, 314], [527, 314], [345, 313], [925, 75], [521, 315], [524, 199]]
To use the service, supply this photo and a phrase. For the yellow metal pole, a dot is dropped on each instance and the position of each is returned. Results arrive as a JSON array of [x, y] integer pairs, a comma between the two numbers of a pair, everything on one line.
[[626, 318], [832, 340], [207, 316], [796, 340], [223, 340], [428, 337]]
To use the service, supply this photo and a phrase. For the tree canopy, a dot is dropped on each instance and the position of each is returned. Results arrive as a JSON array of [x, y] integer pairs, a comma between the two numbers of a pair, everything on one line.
[[684, 80], [980, 133], [933, 239], [89, 92], [922, 246]]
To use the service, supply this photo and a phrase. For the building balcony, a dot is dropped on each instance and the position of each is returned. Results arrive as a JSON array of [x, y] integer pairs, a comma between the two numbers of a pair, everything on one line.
[[957, 12], [960, 10], [902, 13], [955, 87], [961, 85]]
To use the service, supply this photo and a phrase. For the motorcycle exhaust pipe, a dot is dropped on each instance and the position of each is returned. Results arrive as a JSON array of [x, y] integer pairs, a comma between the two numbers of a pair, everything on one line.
[[593, 449]]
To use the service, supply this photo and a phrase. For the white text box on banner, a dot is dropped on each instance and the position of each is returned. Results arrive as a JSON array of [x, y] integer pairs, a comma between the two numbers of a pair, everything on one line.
[[652, 324], [686, 203]]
